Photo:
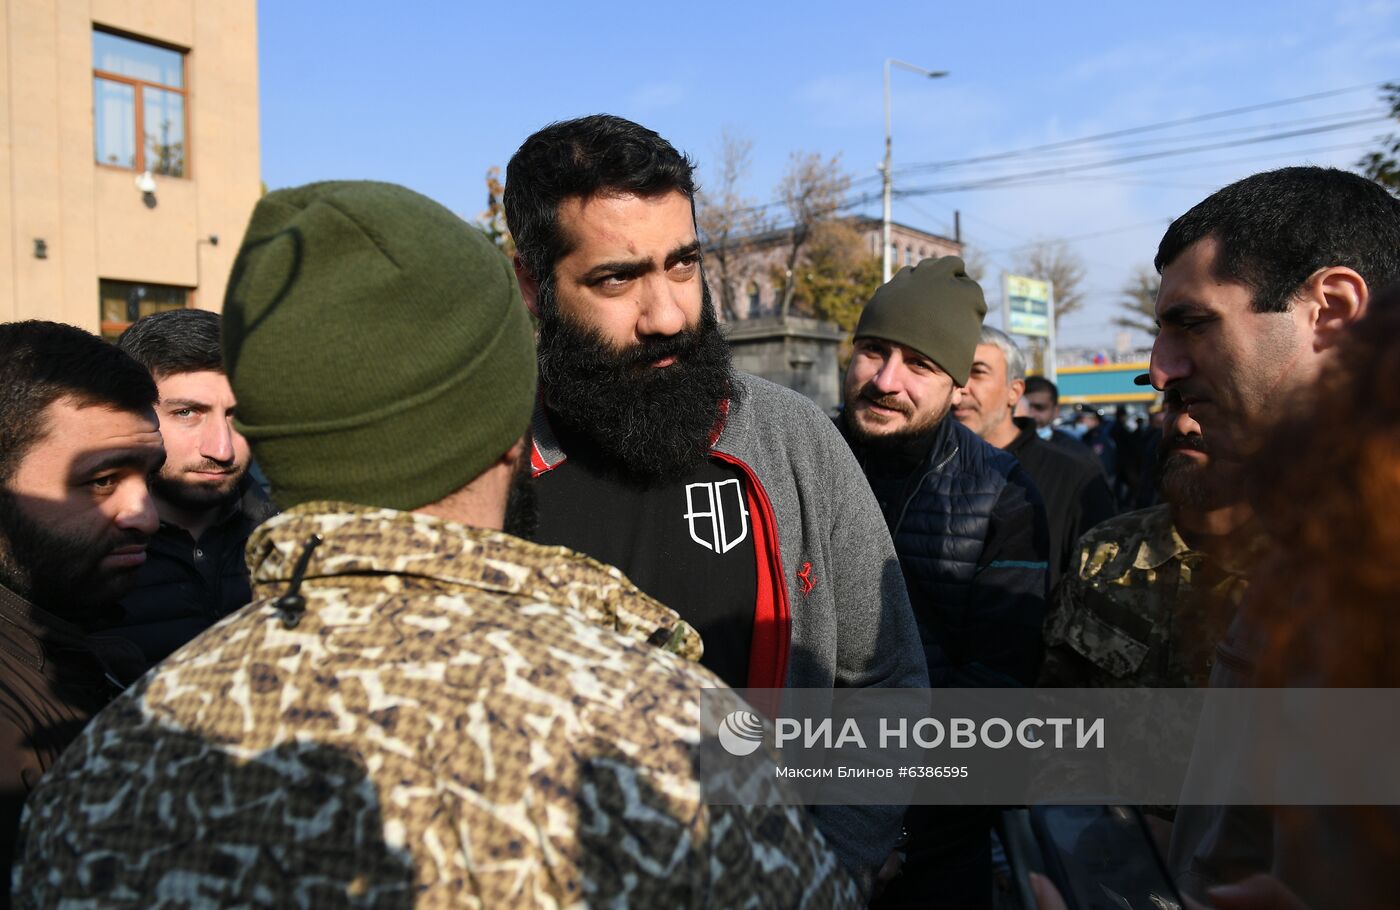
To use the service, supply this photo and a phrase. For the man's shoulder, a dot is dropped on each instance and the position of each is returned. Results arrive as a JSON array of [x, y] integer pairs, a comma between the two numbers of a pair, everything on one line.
[[976, 453], [1059, 461], [769, 422], [1110, 547], [390, 631], [777, 402], [403, 558]]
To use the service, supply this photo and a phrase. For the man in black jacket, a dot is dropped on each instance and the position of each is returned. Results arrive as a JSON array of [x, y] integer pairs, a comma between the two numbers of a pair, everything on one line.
[[1042, 399], [78, 439], [1076, 494], [208, 504], [968, 526]]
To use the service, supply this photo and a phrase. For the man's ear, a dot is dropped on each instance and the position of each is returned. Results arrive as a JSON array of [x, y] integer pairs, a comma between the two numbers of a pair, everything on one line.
[[529, 287], [1015, 392], [1339, 296], [514, 453]]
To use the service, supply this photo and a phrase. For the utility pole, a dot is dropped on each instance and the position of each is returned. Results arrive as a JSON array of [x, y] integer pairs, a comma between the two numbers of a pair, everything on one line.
[[885, 167]]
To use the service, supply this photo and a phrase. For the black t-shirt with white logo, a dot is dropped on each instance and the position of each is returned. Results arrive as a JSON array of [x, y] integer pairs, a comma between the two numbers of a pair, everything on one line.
[[687, 541]]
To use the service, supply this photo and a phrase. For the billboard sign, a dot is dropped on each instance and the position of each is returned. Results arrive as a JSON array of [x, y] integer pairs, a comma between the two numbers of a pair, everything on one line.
[[1028, 302]]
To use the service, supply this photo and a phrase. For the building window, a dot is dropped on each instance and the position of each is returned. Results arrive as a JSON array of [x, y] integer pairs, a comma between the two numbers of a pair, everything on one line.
[[124, 302], [138, 95], [755, 301]]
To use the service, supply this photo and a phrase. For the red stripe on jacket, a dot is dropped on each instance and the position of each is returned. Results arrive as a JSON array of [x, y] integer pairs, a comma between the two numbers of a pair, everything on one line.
[[772, 619]]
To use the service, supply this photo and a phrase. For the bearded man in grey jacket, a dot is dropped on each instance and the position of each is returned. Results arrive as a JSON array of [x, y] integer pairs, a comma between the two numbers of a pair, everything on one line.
[[732, 500]]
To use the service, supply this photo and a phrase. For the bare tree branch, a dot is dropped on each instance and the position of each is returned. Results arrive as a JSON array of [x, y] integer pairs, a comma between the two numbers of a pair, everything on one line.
[[1139, 301], [1054, 261], [812, 191], [726, 216]]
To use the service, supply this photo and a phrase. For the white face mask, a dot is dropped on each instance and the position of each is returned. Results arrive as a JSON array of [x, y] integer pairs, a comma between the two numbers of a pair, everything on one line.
[[1046, 432]]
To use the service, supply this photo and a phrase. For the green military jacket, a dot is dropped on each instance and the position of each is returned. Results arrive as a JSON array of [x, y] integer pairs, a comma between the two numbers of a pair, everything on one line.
[[1142, 609], [449, 717]]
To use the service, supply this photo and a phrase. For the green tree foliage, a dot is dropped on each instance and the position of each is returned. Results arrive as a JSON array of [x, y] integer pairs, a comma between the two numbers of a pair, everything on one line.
[[1384, 166], [837, 276], [1138, 300]]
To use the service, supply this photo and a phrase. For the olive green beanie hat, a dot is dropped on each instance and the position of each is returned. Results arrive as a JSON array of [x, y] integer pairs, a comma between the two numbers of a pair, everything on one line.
[[376, 344], [932, 307]]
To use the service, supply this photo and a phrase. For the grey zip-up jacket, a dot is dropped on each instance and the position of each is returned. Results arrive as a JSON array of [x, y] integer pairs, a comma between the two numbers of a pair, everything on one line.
[[832, 610]]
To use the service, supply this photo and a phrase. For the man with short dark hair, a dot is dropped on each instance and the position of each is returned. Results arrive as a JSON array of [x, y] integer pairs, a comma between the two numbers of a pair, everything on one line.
[[78, 440], [195, 573], [1075, 492], [420, 709], [1042, 398], [1259, 282], [728, 498], [968, 525]]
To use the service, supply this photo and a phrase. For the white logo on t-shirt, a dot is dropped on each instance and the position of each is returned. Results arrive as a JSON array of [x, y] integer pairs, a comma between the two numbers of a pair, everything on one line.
[[717, 513]]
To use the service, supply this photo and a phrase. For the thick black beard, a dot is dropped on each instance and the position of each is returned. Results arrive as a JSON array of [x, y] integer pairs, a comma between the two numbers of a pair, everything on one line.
[[58, 573], [649, 423]]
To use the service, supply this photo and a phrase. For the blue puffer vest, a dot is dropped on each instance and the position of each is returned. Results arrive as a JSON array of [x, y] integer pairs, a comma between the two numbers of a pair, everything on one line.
[[939, 516]]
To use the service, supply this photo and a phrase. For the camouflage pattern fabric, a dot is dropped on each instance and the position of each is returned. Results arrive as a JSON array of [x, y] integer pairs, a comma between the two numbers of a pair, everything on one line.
[[458, 719], [1142, 608]]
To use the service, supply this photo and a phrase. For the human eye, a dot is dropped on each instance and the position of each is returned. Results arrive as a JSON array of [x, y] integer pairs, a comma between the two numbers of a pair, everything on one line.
[[102, 482], [686, 264], [612, 282]]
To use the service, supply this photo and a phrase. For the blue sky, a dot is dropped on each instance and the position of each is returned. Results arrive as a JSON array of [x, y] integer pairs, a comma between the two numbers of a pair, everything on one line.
[[431, 94]]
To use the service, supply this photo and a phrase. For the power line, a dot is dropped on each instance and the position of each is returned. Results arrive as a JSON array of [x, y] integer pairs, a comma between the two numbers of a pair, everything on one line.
[[1024, 179], [1157, 222], [1084, 155], [1014, 179], [1142, 178], [1164, 141], [1150, 127]]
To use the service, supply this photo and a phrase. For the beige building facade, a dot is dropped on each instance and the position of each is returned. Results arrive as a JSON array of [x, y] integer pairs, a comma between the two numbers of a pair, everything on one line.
[[129, 160]]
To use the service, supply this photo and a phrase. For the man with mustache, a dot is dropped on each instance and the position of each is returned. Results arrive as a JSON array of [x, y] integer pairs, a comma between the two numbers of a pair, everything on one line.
[[728, 498], [78, 440], [1151, 592], [1260, 281], [420, 709], [1076, 494], [968, 525], [208, 504]]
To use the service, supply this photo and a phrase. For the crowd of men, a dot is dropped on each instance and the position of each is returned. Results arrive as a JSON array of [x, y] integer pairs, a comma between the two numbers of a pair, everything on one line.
[[463, 663]]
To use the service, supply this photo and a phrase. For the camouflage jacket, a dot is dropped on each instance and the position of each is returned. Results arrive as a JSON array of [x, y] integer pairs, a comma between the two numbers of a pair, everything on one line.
[[1142, 608], [457, 718]]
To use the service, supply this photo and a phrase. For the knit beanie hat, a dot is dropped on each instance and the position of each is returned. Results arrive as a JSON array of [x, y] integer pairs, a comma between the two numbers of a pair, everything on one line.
[[377, 346], [932, 307]]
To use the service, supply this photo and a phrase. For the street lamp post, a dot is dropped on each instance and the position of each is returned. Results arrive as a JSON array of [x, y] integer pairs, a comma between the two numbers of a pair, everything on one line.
[[885, 168]]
